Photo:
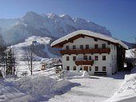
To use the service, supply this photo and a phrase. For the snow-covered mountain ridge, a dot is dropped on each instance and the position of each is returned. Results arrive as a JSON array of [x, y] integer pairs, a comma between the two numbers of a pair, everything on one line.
[[50, 25]]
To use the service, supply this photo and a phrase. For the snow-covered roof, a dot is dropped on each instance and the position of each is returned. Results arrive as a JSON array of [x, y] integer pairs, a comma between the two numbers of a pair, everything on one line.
[[89, 33]]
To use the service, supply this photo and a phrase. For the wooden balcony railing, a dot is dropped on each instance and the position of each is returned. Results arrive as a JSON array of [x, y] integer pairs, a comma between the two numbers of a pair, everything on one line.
[[86, 51], [84, 62]]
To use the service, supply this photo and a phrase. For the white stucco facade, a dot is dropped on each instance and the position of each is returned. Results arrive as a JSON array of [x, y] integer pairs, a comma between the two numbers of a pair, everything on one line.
[[91, 55], [109, 63]]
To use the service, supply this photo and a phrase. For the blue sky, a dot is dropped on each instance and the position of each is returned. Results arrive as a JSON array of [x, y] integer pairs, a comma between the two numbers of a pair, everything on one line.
[[118, 16]]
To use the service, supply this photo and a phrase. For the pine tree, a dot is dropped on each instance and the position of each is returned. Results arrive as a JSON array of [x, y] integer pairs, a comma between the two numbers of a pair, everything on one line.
[[2, 56], [10, 62], [2, 59]]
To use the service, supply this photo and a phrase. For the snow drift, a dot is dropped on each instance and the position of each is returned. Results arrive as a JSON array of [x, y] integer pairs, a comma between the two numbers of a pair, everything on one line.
[[127, 91], [74, 74], [43, 87]]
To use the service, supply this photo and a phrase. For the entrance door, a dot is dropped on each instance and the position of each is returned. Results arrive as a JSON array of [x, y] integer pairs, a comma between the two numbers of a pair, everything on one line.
[[86, 68]]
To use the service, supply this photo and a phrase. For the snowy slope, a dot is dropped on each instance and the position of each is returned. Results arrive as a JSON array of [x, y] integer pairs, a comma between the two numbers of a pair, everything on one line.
[[21, 50], [50, 25]]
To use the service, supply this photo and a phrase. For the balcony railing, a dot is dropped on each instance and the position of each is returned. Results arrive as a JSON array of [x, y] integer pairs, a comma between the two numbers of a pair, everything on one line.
[[84, 62], [86, 51]]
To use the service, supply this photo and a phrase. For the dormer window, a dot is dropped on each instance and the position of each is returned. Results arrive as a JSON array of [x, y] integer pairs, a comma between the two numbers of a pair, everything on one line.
[[67, 47], [103, 46]]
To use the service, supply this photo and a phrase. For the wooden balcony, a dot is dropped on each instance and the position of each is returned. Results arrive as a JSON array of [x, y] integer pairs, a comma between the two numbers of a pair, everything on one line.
[[85, 51], [84, 62]]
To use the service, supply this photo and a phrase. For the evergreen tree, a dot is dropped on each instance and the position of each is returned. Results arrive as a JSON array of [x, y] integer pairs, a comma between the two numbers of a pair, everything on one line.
[[2, 56], [10, 62], [2, 59]]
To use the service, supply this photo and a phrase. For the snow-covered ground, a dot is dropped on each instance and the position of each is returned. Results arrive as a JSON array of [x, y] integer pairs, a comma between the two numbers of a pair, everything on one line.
[[38, 87], [34, 89], [127, 91], [93, 89], [45, 86], [24, 67]]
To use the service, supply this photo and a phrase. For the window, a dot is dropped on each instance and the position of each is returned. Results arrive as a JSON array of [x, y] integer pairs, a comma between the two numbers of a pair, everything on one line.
[[108, 43], [85, 57], [90, 68], [96, 58], [74, 68], [74, 46], [103, 57], [74, 58], [96, 68], [90, 58], [95, 39], [103, 46], [67, 47], [87, 46], [67, 58], [67, 67], [81, 47], [96, 46], [104, 68]]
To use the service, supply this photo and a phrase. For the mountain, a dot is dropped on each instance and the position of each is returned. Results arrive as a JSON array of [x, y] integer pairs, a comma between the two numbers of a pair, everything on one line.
[[51, 25], [5, 24], [130, 45]]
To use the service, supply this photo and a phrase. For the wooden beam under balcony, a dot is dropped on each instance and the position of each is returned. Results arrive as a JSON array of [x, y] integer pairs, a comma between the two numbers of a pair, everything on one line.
[[85, 51], [87, 62]]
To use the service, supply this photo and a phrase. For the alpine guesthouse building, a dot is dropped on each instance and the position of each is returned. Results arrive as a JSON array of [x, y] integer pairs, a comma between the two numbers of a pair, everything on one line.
[[93, 52]]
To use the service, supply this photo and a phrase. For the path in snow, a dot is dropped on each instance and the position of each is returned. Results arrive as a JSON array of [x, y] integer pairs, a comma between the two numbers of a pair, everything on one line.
[[94, 89]]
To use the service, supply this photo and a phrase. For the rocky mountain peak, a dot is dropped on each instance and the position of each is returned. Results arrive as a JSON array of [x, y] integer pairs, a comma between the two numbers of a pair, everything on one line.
[[50, 25]]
